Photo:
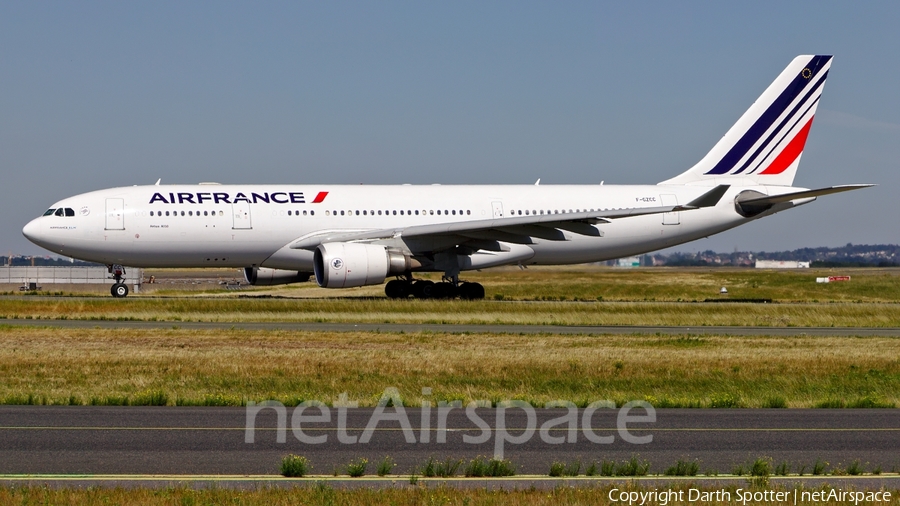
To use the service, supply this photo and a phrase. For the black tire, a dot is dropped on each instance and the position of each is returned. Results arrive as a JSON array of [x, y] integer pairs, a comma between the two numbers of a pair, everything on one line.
[[423, 289], [119, 290], [396, 289], [471, 291], [443, 291]]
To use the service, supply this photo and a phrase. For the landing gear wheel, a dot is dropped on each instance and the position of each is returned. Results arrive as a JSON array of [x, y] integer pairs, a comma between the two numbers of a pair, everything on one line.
[[443, 290], [471, 291], [397, 289], [119, 290], [423, 289]]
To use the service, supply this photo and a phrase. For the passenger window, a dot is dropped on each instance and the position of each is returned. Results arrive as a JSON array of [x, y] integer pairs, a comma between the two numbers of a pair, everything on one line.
[[311, 213], [49, 212]]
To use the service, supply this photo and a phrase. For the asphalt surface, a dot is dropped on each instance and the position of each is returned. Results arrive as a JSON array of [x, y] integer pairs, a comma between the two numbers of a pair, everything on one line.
[[214, 441], [452, 328]]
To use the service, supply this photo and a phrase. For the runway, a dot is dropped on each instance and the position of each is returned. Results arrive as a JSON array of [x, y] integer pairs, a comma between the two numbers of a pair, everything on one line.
[[84, 440], [465, 328]]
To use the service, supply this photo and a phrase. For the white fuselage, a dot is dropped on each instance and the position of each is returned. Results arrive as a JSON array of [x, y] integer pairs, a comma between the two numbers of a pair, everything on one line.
[[253, 225]]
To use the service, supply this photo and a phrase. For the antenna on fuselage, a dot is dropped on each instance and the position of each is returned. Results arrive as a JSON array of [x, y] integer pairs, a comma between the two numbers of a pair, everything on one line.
[[538, 182], [157, 182]]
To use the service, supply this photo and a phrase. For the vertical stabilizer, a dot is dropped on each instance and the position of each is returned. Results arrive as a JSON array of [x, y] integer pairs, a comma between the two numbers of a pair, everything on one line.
[[765, 145]]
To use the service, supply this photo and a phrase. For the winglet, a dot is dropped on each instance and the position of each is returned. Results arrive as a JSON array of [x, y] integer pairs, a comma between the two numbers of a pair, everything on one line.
[[708, 199]]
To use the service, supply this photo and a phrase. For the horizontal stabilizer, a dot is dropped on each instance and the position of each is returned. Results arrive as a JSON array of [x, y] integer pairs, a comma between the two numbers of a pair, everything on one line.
[[787, 197]]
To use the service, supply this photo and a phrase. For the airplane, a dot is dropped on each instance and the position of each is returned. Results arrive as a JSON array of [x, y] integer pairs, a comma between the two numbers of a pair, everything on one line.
[[349, 236]]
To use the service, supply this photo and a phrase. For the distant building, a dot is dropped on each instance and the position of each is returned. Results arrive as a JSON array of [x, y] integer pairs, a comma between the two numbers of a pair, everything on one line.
[[628, 262], [781, 264]]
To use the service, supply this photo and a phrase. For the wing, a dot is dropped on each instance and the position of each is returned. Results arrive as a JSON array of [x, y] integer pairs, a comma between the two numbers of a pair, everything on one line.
[[516, 229]]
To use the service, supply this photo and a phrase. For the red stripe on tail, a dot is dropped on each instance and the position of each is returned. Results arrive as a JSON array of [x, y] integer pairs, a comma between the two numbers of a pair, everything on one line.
[[790, 152]]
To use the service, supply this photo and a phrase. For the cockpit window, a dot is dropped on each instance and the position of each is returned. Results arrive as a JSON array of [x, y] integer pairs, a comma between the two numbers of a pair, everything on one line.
[[59, 212], [49, 212], [70, 211]]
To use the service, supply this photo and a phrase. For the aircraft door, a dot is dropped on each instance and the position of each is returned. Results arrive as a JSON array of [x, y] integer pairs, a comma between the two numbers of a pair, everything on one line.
[[115, 214], [241, 213], [498, 209], [670, 218]]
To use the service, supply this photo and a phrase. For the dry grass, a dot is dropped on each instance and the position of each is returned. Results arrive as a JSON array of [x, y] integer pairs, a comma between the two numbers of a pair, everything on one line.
[[588, 282], [325, 494], [62, 366], [462, 312], [564, 296]]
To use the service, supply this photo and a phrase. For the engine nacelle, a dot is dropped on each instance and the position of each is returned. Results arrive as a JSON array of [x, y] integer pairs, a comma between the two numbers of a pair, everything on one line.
[[264, 276], [347, 264]]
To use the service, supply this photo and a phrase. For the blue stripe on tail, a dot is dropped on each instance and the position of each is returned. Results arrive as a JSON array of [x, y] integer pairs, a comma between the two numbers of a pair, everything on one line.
[[765, 121]]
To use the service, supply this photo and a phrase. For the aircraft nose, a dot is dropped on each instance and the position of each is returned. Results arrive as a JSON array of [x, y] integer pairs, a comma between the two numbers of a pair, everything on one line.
[[32, 230]]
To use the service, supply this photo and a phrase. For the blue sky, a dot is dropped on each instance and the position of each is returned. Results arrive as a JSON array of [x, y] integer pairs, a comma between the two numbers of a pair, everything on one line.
[[101, 94]]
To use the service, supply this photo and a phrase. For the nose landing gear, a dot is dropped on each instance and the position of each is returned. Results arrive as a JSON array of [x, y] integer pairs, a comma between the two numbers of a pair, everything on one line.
[[119, 289]]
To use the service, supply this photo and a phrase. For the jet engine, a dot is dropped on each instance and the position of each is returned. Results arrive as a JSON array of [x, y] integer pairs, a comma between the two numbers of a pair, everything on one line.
[[264, 276], [345, 264]]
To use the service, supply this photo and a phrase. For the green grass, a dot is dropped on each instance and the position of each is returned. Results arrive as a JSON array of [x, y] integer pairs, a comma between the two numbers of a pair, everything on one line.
[[591, 282], [295, 466], [633, 467], [356, 467], [230, 367], [799, 314], [683, 468], [386, 466], [537, 296], [443, 469], [481, 467], [558, 469]]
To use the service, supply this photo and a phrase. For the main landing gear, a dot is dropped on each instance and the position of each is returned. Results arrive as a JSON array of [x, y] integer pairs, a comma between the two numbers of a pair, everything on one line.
[[119, 289], [448, 288]]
